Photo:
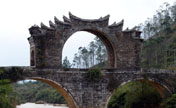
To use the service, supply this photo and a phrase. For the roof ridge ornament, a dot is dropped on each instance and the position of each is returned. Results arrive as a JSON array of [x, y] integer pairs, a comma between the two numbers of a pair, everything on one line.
[[67, 20], [106, 17], [117, 24], [43, 26], [132, 29], [73, 17], [52, 25], [58, 22]]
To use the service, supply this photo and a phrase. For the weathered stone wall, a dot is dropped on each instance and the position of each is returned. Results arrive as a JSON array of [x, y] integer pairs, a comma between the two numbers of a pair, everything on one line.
[[123, 46], [92, 94]]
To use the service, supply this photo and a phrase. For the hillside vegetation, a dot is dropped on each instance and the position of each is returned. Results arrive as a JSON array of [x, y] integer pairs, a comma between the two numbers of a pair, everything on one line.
[[159, 32], [6, 100]]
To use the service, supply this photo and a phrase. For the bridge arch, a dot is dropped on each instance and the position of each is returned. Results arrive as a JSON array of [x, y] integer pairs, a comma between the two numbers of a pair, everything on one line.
[[63, 91], [161, 88], [157, 84]]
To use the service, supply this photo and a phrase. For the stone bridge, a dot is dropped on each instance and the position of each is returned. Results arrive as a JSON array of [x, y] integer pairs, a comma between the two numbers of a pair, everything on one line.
[[80, 92], [123, 48]]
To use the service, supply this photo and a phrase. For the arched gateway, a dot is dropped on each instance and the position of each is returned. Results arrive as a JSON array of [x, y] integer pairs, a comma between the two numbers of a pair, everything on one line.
[[46, 45]]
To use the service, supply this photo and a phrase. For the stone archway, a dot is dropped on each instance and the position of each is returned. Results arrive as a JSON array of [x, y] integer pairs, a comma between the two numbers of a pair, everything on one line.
[[123, 47], [160, 87], [96, 27], [102, 36], [67, 96]]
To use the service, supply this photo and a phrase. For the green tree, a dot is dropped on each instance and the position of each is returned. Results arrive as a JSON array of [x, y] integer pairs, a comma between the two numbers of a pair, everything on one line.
[[66, 63], [5, 90], [77, 61], [101, 52], [92, 49], [85, 56], [173, 12], [89, 56]]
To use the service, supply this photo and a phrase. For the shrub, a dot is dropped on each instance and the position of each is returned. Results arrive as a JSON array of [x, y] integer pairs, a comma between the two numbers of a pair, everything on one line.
[[94, 74]]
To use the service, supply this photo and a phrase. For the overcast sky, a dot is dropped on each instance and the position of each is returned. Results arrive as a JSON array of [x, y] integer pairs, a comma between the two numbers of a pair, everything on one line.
[[16, 16]]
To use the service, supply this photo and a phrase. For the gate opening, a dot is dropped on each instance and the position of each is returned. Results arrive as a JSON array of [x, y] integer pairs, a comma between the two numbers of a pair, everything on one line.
[[84, 50]]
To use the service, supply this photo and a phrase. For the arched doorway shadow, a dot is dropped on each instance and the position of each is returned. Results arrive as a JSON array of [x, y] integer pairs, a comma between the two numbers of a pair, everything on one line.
[[67, 96]]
